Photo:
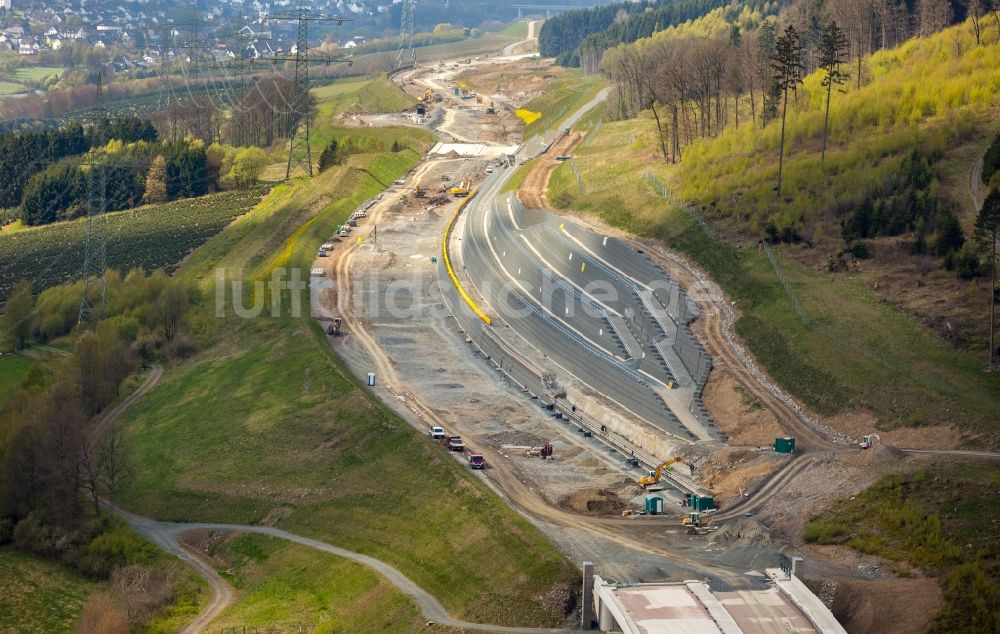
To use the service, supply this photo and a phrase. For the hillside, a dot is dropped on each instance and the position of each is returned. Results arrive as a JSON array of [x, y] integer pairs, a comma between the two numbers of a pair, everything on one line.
[[265, 424], [902, 147], [844, 348]]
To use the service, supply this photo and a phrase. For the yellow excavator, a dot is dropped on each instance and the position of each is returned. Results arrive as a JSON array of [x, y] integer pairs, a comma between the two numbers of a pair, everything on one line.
[[654, 476], [462, 189], [427, 95]]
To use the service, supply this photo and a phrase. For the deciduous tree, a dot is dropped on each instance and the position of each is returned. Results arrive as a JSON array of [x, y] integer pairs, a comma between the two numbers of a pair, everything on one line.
[[987, 233]]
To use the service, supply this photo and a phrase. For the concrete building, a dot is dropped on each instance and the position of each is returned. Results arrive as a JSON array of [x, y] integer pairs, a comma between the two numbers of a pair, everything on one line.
[[692, 607]]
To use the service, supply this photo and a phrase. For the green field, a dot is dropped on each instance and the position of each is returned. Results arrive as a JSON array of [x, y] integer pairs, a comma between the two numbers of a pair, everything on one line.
[[857, 353], [150, 237], [37, 73], [268, 420], [282, 585], [943, 519], [517, 30], [13, 369], [40, 596], [11, 88]]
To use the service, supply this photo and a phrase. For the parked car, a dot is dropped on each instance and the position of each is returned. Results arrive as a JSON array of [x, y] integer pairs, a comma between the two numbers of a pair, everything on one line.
[[321, 254], [437, 433], [477, 461]]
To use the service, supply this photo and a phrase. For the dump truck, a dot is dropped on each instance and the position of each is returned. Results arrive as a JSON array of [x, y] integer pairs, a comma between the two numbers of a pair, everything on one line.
[[455, 444]]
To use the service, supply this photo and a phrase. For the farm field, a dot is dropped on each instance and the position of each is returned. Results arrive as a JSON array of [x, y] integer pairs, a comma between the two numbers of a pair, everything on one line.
[[11, 88], [149, 237], [37, 73]]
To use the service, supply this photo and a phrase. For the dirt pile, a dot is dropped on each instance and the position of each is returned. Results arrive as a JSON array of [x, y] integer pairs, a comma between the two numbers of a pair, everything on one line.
[[743, 532], [884, 606], [594, 502], [880, 458]]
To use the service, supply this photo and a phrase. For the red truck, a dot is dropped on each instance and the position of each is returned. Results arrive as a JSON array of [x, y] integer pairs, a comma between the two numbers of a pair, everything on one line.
[[477, 461]]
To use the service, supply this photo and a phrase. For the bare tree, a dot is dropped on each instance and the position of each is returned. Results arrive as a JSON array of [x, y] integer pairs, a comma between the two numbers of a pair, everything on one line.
[[932, 16], [169, 310], [115, 463], [976, 9]]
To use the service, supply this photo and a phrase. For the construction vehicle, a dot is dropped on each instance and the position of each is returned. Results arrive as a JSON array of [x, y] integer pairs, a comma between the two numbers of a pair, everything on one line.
[[462, 189], [698, 523], [419, 193], [334, 328], [543, 452], [426, 96], [653, 477], [868, 441], [477, 461]]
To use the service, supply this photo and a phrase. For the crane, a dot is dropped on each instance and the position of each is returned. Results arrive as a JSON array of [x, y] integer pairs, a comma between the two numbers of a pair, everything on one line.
[[654, 476]]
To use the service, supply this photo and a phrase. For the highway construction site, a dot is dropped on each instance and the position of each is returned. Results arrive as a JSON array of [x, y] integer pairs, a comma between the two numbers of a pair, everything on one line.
[[482, 311]]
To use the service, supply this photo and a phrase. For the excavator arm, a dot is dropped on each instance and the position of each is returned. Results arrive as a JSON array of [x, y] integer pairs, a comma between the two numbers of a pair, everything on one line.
[[649, 480]]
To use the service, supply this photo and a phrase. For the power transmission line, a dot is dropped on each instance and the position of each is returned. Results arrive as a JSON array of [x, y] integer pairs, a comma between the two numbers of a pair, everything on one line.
[[300, 100], [95, 253], [406, 55]]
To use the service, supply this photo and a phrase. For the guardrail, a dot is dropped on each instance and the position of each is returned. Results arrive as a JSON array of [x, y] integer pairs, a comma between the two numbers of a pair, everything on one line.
[[447, 260]]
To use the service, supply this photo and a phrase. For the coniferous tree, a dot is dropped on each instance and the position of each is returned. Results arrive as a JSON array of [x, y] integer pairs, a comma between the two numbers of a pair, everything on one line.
[[832, 47], [786, 64]]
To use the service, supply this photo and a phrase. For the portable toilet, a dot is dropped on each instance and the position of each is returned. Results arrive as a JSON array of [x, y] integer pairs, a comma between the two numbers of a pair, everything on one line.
[[701, 502], [784, 445], [654, 505], [371, 378]]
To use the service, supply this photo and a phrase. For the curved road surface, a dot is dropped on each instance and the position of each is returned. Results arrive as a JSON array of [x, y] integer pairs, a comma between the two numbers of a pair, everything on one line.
[[166, 535]]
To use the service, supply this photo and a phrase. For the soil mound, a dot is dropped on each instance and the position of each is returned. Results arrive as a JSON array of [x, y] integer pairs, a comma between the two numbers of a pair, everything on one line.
[[742, 531], [878, 456], [594, 502]]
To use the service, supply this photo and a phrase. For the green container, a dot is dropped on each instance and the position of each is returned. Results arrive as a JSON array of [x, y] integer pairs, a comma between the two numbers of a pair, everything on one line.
[[784, 445], [654, 505], [701, 502]]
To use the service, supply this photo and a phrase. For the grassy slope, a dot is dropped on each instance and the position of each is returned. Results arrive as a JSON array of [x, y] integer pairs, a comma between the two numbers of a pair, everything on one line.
[[268, 418], [561, 100], [863, 355], [943, 519], [288, 584], [40, 596], [940, 91], [518, 30], [13, 369]]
